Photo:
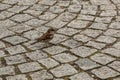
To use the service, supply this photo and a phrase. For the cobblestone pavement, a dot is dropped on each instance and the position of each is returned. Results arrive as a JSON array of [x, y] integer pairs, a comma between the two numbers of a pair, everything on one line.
[[86, 45]]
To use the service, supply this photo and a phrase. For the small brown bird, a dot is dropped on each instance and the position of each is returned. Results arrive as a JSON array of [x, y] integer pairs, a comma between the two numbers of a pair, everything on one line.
[[46, 37]]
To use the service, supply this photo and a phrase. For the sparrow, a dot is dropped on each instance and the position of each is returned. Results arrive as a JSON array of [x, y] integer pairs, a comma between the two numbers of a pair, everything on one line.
[[46, 37]]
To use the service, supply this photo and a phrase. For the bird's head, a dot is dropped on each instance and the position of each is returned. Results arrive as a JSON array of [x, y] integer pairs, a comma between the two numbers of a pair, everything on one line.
[[51, 30]]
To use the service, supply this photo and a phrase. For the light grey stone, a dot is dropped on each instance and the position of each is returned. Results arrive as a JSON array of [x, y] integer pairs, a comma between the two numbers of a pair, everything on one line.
[[82, 38], [4, 6], [54, 50], [6, 24], [86, 64], [41, 75], [71, 43], [36, 55], [102, 58], [48, 2], [103, 19], [85, 17], [2, 44], [106, 39], [35, 22], [17, 9], [100, 26], [56, 9], [74, 8], [81, 76], [20, 28], [27, 2], [28, 67], [68, 31], [96, 44], [64, 57], [112, 32], [115, 65], [21, 17], [63, 70], [58, 38], [115, 25], [2, 53], [83, 51], [105, 72], [17, 77], [117, 45], [48, 62], [109, 13], [5, 15], [78, 24], [97, 2], [15, 59], [112, 51], [92, 33], [15, 40], [15, 49], [8, 70], [47, 16]]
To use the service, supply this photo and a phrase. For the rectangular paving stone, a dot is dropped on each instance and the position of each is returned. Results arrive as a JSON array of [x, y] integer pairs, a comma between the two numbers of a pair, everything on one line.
[[2, 44], [21, 17], [29, 67], [36, 55], [112, 32], [82, 38], [64, 57], [105, 72], [15, 49], [47, 16], [91, 33], [2, 53], [67, 16], [81, 76], [99, 25], [48, 62], [68, 31], [5, 14], [78, 24], [54, 50], [27, 2], [20, 28], [71, 43], [6, 24], [5, 33], [56, 9], [106, 39], [17, 9], [112, 51], [83, 51], [63, 70], [17, 77], [58, 38], [8, 70], [15, 40], [41, 75], [115, 65], [4, 6], [96, 44], [102, 58], [117, 45], [48, 2], [86, 64], [115, 25], [15, 59]]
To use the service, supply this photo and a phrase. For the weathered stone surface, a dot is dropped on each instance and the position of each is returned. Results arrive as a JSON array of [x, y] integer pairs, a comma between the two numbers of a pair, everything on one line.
[[105, 72], [83, 51], [63, 70]]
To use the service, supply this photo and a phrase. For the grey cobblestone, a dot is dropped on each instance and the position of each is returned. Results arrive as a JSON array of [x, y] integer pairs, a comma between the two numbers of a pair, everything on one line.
[[85, 45], [63, 70], [28, 67]]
